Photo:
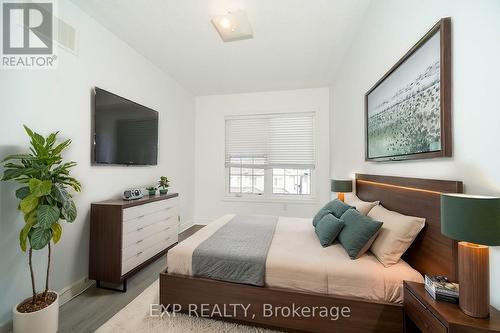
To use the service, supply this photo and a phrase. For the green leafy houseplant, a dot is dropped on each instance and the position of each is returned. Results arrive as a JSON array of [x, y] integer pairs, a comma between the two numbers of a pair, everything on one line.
[[151, 190], [44, 199], [164, 184]]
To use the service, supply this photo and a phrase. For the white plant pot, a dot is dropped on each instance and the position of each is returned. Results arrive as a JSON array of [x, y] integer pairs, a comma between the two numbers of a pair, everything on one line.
[[43, 321]]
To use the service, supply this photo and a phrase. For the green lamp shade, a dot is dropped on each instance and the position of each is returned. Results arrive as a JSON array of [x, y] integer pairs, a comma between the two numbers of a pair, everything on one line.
[[341, 186], [469, 218]]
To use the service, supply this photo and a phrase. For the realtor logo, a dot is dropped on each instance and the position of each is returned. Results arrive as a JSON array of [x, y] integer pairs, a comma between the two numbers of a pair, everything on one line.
[[27, 35]]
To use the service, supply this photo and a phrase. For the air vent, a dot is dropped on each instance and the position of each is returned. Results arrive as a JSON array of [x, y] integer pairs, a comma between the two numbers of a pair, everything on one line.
[[65, 36]]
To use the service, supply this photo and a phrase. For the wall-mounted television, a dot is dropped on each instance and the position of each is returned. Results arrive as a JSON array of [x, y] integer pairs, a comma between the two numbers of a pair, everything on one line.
[[124, 132]]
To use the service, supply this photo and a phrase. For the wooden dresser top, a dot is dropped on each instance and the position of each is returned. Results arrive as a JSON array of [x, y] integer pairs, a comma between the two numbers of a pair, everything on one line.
[[132, 203]]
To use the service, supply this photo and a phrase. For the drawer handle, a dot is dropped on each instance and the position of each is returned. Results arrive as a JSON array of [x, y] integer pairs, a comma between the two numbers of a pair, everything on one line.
[[166, 239], [139, 229], [139, 241], [140, 217], [138, 254]]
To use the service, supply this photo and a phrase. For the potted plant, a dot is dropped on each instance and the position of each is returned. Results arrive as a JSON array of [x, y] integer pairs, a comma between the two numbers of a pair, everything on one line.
[[163, 184], [152, 191], [44, 202]]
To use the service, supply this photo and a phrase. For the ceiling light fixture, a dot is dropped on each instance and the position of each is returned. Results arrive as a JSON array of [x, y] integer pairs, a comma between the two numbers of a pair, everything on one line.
[[233, 25], [225, 23]]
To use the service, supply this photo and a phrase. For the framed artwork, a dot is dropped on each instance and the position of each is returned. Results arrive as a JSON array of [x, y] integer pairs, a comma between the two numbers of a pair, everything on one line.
[[408, 111]]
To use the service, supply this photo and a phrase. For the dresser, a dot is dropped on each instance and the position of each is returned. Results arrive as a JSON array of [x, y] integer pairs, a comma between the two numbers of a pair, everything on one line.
[[125, 236]]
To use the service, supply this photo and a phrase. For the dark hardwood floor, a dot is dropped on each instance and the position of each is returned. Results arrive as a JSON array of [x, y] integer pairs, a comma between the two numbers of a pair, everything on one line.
[[188, 232], [88, 311]]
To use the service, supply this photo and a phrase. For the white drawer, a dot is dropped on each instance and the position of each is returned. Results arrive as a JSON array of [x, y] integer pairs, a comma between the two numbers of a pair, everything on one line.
[[146, 209], [145, 220], [144, 244], [137, 235], [139, 258]]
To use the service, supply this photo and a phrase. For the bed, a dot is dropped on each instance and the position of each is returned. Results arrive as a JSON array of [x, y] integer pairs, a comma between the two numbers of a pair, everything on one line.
[[300, 273], [297, 261]]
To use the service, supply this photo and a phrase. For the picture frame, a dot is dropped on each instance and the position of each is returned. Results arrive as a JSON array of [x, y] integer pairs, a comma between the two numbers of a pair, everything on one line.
[[408, 111]]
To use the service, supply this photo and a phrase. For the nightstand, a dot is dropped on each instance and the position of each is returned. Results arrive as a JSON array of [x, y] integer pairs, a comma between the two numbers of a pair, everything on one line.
[[423, 313]]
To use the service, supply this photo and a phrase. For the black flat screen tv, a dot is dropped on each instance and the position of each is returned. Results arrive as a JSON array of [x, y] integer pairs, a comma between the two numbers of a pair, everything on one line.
[[124, 132]]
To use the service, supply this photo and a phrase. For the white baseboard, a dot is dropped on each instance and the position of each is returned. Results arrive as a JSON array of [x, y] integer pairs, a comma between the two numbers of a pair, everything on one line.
[[68, 293], [185, 225], [65, 295], [202, 221]]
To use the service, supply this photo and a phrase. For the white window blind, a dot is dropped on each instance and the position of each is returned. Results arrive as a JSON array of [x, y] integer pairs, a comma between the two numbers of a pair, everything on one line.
[[271, 141]]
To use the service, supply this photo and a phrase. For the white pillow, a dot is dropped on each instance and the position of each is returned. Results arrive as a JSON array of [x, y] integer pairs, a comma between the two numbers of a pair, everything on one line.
[[362, 206], [396, 234]]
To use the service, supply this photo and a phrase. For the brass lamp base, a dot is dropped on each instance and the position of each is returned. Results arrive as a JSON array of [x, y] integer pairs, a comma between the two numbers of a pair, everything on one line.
[[340, 196], [474, 279]]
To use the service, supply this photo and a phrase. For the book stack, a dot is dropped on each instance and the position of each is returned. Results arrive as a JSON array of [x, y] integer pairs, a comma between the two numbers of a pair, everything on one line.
[[441, 289]]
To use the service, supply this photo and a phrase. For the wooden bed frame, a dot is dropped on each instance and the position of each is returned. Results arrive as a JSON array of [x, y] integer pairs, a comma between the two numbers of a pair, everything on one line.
[[431, 253]]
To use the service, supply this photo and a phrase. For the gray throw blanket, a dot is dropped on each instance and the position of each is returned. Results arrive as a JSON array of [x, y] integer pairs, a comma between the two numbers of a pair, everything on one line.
[[236, 252]]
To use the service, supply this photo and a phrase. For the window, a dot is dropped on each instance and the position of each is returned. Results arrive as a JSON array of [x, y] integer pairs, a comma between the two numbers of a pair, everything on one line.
[[292, 181], [245, 179], [270, 155]]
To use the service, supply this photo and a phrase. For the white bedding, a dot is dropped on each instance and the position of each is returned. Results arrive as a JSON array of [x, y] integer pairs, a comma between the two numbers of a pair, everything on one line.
[[296, 260]]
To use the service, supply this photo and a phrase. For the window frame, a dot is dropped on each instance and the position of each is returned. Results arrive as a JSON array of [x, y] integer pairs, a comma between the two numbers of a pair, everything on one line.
[[284, 181], [246, 166], [267, 195]]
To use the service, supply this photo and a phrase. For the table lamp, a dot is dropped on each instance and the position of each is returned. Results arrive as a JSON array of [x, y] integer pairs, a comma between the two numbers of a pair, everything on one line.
[[341, 187], [475, 222]]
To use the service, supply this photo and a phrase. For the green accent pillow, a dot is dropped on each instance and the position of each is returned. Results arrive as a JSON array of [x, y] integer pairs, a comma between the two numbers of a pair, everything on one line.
[[328, 228], [319, 215], [358, 233], [335, 207]]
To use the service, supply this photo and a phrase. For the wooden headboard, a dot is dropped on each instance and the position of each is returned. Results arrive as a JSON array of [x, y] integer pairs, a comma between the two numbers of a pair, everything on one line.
[[431, 253]]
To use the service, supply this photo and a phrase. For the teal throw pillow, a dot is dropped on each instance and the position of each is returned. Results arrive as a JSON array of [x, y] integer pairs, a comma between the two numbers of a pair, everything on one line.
[[319, 215], [328, 228], [358, 233]]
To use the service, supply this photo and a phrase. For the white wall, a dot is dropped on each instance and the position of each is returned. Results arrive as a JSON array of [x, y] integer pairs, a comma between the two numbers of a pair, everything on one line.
[[209, 151], [50, 100], [390, 28]]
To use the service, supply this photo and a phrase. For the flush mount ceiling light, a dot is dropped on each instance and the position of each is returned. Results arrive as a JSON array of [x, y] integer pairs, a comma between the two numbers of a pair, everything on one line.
[[233, 25]]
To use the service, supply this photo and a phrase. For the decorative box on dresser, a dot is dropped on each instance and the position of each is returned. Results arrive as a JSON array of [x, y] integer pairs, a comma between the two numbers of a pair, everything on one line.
[[125, 236], [424, 314]]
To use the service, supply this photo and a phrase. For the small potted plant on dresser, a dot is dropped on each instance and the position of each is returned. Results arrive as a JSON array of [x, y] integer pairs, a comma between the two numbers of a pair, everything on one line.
[[151, 191], [44, 201], [163, 184]]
